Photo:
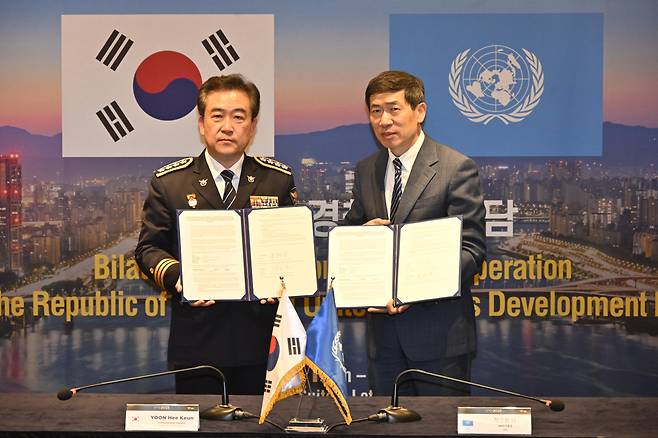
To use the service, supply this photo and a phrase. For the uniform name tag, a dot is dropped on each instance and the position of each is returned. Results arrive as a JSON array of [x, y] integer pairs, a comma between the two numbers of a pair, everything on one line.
[[494, 421], [258, 201], [162, 417]]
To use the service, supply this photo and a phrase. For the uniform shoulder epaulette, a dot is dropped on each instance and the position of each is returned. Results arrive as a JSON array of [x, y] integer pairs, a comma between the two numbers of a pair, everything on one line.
[[172, 167], [273, 164]]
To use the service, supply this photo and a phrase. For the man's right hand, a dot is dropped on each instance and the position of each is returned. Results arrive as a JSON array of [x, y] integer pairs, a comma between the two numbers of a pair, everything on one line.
[[198, 303], [391, 308], [378, 221]]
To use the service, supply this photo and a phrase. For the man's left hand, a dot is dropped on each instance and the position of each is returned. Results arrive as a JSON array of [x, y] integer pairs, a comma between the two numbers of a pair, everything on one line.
[[202, 303]]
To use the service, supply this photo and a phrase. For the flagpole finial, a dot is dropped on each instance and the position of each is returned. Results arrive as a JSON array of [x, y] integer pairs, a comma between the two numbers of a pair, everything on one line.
[[283, 285], [331, 283]]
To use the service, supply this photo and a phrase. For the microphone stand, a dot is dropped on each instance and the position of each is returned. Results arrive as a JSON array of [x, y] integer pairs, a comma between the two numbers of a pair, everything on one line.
[[398, 414], [223, 412]]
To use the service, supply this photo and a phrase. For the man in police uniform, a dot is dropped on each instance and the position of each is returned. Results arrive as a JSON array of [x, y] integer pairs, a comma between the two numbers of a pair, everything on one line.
[[233, 336]]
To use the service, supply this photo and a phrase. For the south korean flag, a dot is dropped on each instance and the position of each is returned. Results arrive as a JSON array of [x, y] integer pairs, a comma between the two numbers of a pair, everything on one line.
[[130, 82], [285, 361]]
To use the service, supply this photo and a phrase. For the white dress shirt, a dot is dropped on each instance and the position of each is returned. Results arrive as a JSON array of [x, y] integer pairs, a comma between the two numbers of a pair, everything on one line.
[[407, 159], [216, 169]]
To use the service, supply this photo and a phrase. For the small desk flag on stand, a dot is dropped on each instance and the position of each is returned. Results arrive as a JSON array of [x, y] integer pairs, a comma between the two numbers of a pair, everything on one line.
[[285, 364], [324, 354]]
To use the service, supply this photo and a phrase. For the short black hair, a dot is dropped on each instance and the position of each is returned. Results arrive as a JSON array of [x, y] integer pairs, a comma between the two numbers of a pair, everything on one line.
[[392, 81], [229, 82]]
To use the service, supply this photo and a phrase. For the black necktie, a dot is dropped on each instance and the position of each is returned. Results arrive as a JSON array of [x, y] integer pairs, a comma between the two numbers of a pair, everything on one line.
[[229, 190], [397, 188]]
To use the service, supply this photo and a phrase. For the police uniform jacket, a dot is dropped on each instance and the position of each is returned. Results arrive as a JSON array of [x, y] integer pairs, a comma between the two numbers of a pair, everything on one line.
[[226, 333]]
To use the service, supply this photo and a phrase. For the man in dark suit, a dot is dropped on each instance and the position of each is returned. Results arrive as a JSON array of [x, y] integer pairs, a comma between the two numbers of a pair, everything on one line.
[[233, 336], [412, 179]]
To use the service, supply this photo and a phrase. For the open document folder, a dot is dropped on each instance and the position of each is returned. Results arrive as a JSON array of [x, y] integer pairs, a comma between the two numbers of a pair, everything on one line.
[[404, 262], [242, 254]]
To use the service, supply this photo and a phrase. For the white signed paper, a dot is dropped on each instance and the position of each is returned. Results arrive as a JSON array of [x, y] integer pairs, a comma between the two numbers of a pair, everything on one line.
[[282, 245], [221, 260], [361, 261], [428, 263], [212, 262]]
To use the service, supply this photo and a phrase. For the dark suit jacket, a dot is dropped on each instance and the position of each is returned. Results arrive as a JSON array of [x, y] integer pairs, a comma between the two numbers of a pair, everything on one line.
[[227, 333], [442, 182]]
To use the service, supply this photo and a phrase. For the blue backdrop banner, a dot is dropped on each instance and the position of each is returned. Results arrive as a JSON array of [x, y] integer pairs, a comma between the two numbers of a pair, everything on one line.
[[507, 84]]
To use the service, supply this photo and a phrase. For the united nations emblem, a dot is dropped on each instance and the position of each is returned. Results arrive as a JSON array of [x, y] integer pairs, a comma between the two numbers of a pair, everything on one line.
[[496, 82], [337, 352]]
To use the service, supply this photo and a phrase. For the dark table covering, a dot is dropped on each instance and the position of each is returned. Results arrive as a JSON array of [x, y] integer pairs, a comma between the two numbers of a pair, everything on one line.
[[89, 414]]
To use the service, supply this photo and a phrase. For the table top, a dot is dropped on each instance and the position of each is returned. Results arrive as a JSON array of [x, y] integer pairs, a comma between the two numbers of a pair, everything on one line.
[[103, 413]]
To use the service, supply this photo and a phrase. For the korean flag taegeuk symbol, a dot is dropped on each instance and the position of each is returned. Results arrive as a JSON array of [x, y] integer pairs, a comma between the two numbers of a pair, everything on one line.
[[130, 82]]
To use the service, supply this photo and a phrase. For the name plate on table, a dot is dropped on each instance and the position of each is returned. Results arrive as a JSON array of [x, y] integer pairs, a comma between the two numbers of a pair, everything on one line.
[[494, 421], [176, 417]]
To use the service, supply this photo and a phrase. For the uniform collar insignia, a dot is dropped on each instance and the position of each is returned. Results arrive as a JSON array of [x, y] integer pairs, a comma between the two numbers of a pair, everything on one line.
[[203, 182], [251, 178]]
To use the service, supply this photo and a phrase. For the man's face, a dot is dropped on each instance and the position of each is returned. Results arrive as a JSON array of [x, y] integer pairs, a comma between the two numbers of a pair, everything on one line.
[[227, 127], [395, 124]]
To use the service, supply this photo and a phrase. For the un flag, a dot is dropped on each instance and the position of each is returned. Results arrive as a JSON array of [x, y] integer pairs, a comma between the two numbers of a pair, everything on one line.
[[507, 84]]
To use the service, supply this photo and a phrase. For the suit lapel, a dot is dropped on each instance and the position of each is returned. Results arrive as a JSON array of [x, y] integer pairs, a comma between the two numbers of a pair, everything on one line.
[[250, 170], [380, 175], [209, 189], [422, 173]]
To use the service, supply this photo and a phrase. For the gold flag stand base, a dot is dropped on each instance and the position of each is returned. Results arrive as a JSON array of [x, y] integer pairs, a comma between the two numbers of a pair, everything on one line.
[[307, 425]]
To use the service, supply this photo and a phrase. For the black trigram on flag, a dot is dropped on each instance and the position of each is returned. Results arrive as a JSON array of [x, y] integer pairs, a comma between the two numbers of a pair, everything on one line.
[[268, 385], [115, 121], [277, 320], [114, 49], [217, 46], [294, 347]]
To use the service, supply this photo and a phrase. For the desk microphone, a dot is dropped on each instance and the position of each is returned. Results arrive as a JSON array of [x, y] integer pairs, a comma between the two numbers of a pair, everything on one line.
[[223, 411], [398, 414]]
